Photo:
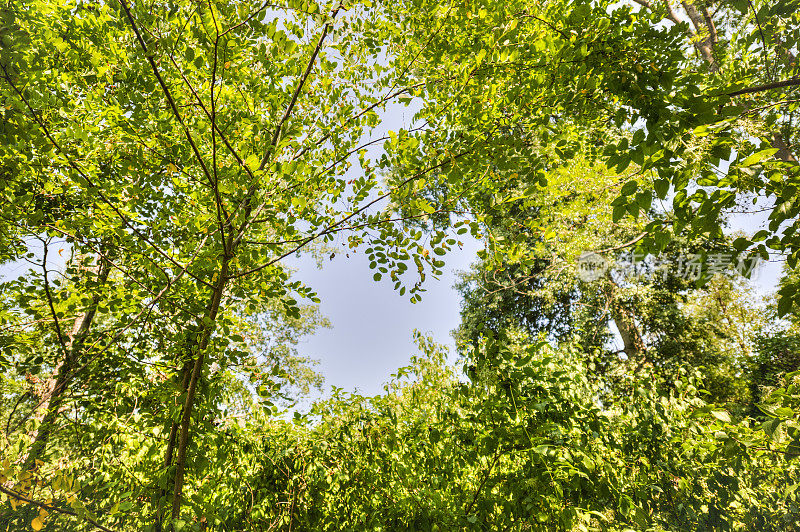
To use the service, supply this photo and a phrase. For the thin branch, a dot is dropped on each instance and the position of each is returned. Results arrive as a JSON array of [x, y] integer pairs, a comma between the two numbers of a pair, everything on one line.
[[758, 23], [625, 245], [296, 94], [546, 23], [221, 134], [362, 226], [20, 497], [791, 82], [259, 10], [268, 154], [165, 89], [334, 227], [497, 456], [50, 303], [361, 113]]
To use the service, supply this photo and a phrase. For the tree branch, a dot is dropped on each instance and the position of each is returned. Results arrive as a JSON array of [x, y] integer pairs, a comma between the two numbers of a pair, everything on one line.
[[95, 189], [333, 227], [165, 89], [61, 341], [791, 82], [20, 497], [625, 245]]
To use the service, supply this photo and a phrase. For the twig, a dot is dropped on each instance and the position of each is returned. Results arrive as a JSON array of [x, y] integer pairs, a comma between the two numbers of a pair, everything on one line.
[[21, 497], [625, 245]]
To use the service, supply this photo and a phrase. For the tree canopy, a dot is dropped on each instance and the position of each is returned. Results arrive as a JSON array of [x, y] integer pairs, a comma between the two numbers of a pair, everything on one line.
[[160, 162]]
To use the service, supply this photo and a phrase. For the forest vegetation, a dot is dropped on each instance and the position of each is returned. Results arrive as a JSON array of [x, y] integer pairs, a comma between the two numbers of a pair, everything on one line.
[[624, 165]]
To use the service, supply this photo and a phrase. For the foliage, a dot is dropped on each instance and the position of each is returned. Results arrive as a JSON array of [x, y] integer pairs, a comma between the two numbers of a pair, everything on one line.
[[524, 445], [160, 162]]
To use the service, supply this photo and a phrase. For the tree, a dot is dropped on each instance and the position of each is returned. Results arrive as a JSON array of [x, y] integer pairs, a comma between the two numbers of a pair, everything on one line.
[[711, 130], [640, 313], [199, 145]]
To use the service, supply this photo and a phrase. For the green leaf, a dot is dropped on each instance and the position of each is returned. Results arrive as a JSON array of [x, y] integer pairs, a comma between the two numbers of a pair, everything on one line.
[[644, 200], [793, 450], [741, 243], [618, 212], [252, 162], [721, 415], [759, 156], [629, 188], [784, 305]]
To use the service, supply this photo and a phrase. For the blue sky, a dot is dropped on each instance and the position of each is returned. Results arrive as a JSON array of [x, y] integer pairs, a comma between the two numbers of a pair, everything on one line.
[[372, 325]]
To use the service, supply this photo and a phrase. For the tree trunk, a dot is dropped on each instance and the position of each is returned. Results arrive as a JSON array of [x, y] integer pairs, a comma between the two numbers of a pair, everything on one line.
[[168, 455], [706, 34], [628, 331], [633, 344], [55, 390], [190, 382]]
